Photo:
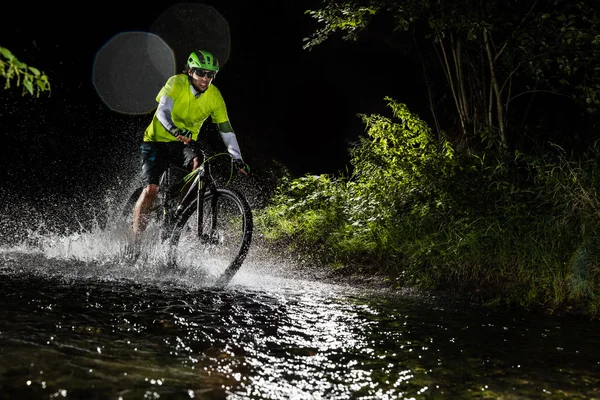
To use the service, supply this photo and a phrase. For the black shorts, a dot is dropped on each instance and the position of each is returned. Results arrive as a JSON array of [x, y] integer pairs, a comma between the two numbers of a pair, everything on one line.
[[156, 157]]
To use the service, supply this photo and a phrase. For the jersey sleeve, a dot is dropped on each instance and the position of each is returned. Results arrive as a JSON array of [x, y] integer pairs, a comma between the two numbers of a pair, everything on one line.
[[167, 89]]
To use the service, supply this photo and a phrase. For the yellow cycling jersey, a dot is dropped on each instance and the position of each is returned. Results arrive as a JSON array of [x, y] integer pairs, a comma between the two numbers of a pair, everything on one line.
[[189, 112]]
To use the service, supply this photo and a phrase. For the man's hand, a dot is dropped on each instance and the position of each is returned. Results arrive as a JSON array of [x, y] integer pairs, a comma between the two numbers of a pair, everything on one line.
[[184, 136], [241, 166], [184, 139]]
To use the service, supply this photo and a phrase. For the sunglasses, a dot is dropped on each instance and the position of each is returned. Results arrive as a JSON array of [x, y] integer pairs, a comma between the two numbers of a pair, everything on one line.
[[202, 73]]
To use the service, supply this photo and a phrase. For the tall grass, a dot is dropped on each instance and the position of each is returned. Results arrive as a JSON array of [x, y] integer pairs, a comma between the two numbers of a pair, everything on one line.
[[520, 231]]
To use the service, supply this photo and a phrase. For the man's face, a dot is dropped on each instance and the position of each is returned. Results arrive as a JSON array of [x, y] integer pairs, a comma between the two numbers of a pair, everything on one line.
[[201, 79]]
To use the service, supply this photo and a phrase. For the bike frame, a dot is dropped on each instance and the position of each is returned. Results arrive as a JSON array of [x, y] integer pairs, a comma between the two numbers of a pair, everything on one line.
[[201, 181]]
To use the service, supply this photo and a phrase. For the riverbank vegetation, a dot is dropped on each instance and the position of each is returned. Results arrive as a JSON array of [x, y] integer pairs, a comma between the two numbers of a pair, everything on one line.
[[523, 231], [496, 203]]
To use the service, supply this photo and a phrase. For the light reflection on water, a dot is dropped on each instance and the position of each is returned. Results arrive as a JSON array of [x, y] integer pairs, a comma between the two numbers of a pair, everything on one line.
[[76, 321]]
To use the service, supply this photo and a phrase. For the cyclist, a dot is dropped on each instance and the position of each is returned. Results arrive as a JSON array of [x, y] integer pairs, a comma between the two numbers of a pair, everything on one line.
[[184, 103]]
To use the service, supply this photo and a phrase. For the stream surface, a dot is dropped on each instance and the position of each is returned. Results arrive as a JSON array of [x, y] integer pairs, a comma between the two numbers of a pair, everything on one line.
[[79, 321]]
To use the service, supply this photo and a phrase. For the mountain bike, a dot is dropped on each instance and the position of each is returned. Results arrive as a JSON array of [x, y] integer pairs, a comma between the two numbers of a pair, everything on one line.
[[201, 220]]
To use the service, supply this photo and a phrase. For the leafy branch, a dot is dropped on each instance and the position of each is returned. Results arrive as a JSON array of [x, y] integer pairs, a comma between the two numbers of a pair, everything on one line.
[[29, 78]]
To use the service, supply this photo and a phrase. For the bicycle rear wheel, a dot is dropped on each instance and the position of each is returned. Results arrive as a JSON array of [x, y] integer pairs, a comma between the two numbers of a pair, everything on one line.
[[222, 243]]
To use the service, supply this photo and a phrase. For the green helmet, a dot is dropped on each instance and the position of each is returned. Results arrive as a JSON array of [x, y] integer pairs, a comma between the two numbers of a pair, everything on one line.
[[203, 60]]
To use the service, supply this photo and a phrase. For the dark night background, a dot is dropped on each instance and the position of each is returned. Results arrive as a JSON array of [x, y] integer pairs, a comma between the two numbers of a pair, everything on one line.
[[286, 104]]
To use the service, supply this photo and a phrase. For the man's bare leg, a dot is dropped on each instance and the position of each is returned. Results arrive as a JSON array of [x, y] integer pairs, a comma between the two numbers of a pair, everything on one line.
[[142, 209]]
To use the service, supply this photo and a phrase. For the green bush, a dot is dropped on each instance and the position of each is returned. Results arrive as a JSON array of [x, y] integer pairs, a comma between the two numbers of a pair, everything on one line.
[[519, 231]]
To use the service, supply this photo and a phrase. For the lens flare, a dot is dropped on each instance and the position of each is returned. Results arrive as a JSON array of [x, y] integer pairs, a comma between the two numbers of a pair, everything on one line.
[[191, 26], [130, 69]]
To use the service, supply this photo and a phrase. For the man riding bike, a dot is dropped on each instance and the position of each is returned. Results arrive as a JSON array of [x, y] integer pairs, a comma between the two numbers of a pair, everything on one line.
[[184, 103]]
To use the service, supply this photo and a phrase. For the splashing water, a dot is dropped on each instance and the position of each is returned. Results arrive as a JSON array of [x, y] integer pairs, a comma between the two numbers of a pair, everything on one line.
[[101, 251], [79, 319]]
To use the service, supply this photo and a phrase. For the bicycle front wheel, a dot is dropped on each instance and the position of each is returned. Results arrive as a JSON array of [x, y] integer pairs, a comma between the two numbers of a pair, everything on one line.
[[223, 240]]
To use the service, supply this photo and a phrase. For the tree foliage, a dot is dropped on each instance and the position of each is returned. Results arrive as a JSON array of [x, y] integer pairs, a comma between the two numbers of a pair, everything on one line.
[[490, 53], [560, 51], [29, 78]]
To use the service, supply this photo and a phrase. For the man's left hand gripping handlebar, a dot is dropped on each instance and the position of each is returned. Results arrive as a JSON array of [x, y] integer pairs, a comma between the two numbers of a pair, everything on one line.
[[241, 166]]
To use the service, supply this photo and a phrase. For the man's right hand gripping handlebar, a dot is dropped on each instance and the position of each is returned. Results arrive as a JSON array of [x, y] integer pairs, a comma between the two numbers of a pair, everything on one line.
[[184, 136]]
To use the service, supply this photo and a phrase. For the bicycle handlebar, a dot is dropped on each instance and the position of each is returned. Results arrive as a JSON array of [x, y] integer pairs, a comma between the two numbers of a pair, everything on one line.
[[204, 148]]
